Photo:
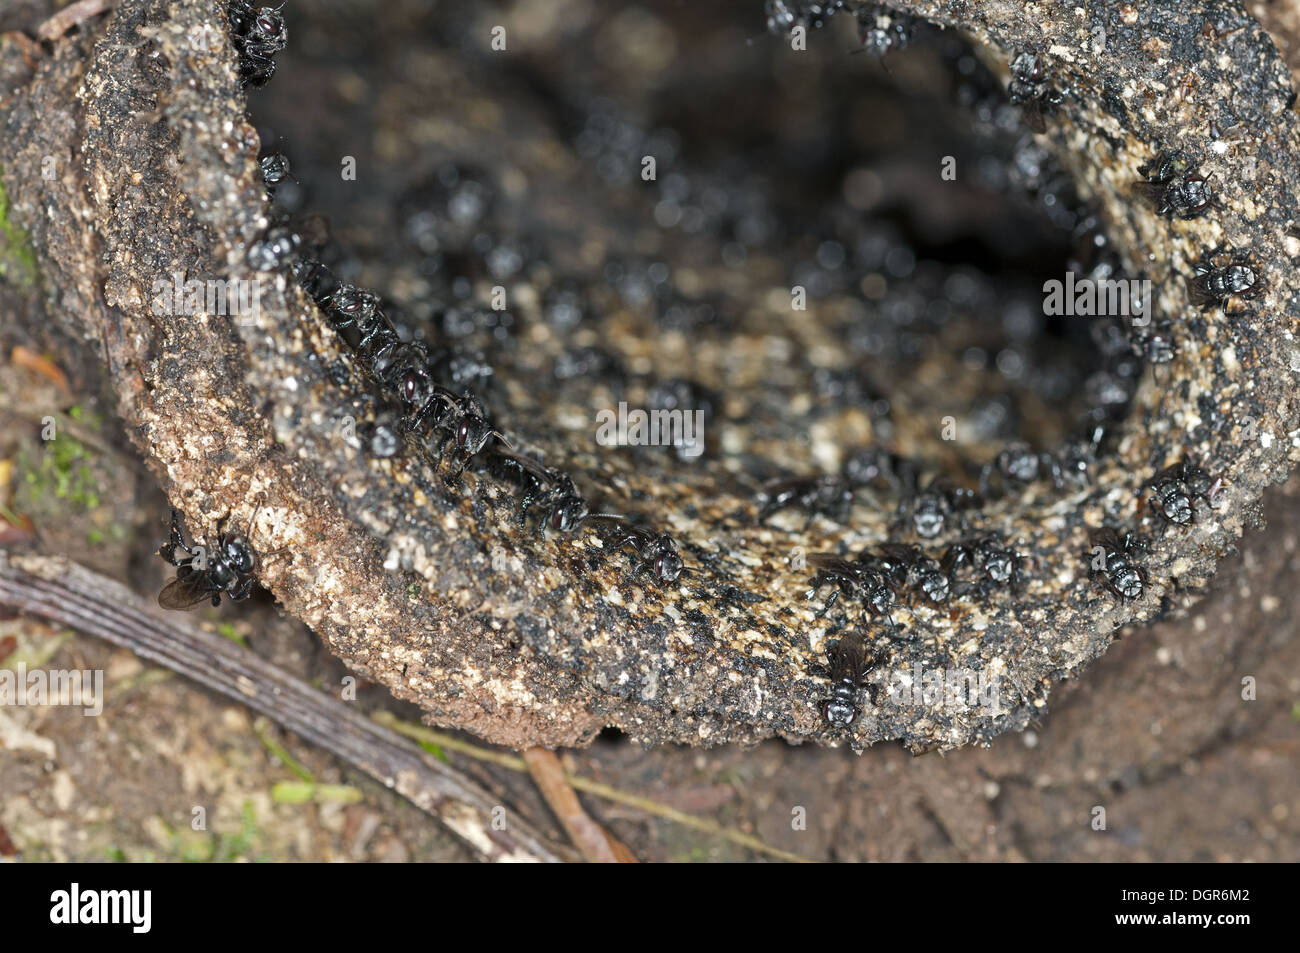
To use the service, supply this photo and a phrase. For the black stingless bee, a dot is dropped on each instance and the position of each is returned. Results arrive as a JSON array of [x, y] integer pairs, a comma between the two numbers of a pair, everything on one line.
[[1226, 281], [937, 507], [656, 552], [826, 495], [258, 34], [907, 564], [855, 579], [1177, 487], [1116, 569], [565, 508], [850, 664], [995, 565], [1032, 87], [227, 567], [274, 167], [1179, 189]]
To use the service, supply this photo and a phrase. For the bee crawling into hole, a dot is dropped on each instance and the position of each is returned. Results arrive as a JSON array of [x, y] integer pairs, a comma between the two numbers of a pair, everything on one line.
[[1221, 279], [228, 567], [1177, 487], [1112, 563], [1031, 87]]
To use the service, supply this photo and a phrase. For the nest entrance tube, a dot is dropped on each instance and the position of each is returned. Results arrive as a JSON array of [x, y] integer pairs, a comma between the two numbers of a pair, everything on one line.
[[438, 592]]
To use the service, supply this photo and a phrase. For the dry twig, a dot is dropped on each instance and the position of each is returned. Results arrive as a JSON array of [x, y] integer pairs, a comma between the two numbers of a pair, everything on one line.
[[74, 13], [67, 594], [589, 837], [588, 786]]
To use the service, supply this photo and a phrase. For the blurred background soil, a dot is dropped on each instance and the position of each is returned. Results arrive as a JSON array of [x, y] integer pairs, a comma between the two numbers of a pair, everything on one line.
[[1158, 733]]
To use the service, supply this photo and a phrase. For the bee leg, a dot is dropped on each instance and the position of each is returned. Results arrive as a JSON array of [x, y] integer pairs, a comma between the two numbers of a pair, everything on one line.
[[524, 505], [835, 595], [174, 541], [636, 569], [807, 523]]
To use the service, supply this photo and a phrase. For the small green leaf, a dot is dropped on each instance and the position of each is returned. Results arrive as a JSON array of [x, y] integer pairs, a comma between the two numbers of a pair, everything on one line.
[[302, 792]]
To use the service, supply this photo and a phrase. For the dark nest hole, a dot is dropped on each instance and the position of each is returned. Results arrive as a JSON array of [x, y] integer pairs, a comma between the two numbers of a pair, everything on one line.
[[814, 169], [904, 196], [478, 169]]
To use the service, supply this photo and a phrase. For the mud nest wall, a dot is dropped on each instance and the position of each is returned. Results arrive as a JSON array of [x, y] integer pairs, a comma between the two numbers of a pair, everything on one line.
[[436, 591]]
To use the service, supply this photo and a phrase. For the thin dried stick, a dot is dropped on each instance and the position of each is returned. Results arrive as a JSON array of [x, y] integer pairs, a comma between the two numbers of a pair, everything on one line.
[[588, 786], [70, 16], [59, 590], [589, 837], [40, 364]]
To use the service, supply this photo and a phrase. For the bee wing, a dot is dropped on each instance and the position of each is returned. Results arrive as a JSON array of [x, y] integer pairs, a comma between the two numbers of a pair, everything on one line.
[[1103, 536], [834, 563], [849, 658], [535, 467], [184, 593], [1171, 472]]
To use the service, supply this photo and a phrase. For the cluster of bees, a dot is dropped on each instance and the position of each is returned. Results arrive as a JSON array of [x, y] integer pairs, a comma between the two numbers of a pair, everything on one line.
[[258, 34], [424, 408], [422, 411], [978, 566], [1221, 279], [421, 405]]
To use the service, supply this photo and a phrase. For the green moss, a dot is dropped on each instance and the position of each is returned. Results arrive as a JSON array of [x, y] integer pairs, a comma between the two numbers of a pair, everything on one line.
[[193, 846], [229, 631], [433, 749], [244, 845], [61, 469], [17, 260]]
